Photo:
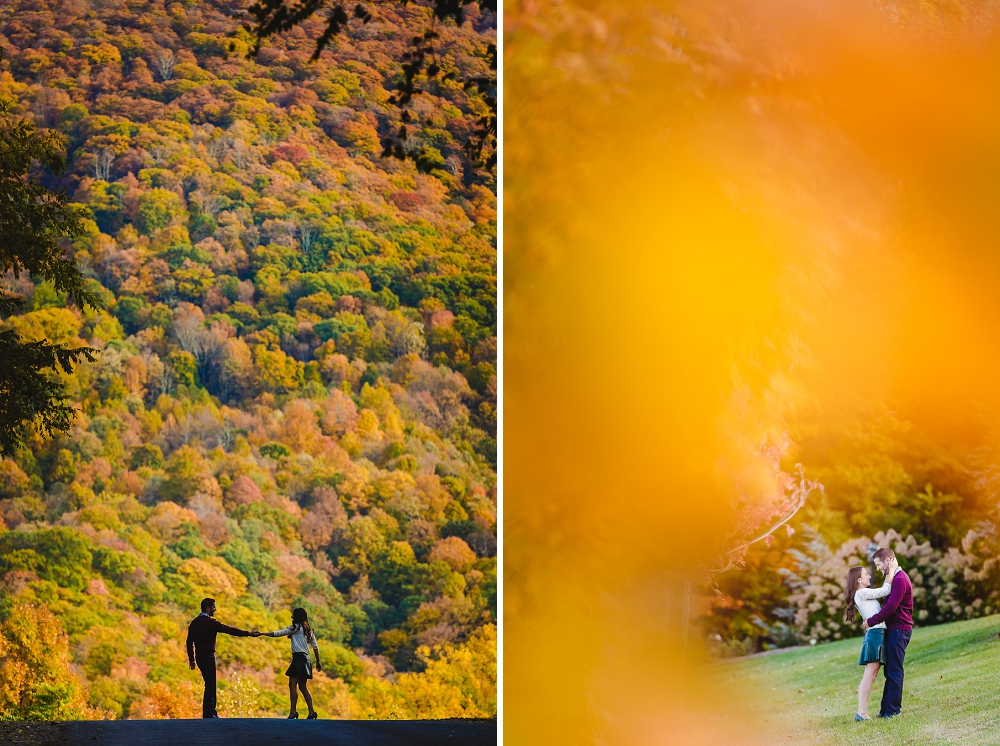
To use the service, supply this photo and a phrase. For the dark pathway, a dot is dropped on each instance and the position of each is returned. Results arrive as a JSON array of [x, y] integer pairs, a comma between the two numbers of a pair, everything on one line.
[[255, 732]]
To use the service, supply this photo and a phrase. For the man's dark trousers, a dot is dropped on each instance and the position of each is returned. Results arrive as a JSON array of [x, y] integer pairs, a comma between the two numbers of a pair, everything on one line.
[[896, 641], [206, 664]]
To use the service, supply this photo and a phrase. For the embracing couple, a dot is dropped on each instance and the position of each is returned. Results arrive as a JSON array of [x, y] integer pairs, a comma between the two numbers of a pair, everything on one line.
[[888, 629]]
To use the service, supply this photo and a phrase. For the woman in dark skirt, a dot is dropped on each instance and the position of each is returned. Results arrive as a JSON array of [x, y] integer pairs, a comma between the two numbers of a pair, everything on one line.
[[300, 671]]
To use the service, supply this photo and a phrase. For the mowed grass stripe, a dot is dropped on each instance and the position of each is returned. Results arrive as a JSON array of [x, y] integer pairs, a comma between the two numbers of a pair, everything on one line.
[[952, 690]]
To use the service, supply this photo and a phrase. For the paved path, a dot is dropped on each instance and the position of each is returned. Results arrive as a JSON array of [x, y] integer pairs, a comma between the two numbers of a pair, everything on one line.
[[255, 732]]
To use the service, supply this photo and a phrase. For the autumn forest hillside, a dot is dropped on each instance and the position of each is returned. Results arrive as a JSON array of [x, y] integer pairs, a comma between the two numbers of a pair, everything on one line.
[[294, 400]]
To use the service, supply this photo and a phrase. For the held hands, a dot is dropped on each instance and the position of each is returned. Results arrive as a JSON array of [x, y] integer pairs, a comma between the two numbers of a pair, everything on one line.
[[255, 632]]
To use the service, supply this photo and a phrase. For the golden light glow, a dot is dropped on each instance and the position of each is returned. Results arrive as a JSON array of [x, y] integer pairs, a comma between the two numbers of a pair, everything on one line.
[[717, 215]]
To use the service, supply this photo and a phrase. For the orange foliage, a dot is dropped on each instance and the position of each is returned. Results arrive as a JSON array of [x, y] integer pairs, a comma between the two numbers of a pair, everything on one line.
[[163, 701]]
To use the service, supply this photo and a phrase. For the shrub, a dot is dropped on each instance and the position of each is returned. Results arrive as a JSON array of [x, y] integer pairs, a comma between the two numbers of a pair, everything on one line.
[[947, 586]]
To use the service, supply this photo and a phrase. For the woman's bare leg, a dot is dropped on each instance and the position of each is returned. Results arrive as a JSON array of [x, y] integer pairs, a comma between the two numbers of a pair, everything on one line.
[[293, 696], [865, 687], [303, 685]]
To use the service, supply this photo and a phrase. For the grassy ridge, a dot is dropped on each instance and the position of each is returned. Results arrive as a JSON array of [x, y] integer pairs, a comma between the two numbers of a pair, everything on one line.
[[809, 695]]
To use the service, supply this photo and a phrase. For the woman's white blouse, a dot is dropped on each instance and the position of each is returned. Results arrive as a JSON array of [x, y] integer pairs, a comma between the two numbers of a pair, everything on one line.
[[298, 636], [864, 600]]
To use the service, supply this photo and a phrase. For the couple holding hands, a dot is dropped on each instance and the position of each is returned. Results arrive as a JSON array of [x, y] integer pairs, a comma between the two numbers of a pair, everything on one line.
[[887, 629], [201, 653]]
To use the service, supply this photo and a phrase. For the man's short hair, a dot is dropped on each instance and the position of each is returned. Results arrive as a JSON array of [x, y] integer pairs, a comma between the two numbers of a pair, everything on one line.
[[884, 554], [207, 603]]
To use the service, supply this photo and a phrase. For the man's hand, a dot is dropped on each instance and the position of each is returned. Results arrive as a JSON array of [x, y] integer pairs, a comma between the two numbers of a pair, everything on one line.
[[192, 665], [319, 666]]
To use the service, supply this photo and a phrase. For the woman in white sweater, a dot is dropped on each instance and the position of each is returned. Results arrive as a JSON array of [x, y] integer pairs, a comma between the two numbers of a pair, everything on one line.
[[861, 596], [300, 671]]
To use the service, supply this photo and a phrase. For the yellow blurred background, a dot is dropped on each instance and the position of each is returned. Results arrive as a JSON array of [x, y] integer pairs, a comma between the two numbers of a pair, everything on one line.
[[718, 215]]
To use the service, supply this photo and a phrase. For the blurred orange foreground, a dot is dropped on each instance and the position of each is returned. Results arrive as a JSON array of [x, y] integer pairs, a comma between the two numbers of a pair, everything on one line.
[[718, 216]]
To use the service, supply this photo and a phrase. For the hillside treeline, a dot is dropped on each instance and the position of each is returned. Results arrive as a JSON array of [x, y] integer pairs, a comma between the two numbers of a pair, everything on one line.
[[294, 400]]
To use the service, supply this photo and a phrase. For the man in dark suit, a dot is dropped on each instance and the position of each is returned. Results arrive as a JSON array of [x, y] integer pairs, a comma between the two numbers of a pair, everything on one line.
[[201, 650]]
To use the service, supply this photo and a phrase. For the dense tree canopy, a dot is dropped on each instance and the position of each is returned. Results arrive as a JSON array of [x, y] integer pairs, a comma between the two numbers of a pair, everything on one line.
[[293, 399]]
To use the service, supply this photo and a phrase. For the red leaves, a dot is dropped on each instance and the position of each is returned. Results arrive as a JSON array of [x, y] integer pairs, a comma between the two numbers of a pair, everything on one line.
[[407, 201], [294, 154]]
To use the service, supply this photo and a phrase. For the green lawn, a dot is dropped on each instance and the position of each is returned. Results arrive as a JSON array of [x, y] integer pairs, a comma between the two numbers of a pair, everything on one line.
[[951, 693]]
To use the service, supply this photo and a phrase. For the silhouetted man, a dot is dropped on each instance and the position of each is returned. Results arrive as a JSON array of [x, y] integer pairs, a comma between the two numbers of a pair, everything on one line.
[[201, 650]]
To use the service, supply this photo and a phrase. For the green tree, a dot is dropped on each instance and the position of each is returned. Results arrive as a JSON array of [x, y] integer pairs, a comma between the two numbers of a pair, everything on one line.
[[60, 554], [33, 221], [186, 469], [157, 208]]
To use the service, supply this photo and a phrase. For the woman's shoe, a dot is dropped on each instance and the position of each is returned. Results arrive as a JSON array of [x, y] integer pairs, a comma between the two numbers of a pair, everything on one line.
[[294, 716], [312, 716], [859, 719]]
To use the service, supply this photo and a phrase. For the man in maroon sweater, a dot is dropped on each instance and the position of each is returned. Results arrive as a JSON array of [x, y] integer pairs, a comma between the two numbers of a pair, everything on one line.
[[201, 650], [897, 613]]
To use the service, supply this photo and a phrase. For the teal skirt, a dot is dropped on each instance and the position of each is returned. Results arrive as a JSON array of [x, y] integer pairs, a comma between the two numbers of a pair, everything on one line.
[[873, 648]]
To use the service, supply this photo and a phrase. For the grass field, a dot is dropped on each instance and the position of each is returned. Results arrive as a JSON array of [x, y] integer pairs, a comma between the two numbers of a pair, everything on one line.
[[951, 694]]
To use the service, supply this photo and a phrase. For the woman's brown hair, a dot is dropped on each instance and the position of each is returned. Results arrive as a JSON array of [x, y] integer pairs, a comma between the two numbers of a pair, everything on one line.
[[300, 618], [853, 577]]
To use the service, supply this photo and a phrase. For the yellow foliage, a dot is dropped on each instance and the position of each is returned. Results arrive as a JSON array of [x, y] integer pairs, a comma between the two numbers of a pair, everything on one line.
[[379, 700], [459, 682], [81, 495], [392, 484], [213, 576], [368, 426], [299, 430], [352, 445], [333, 698], [287, 169], [105, 326], [432, 494], [36, 681], [240, 698], [166, 520], [275, 369], [163, 701], [57, 325], [101, 54], [380, 401]]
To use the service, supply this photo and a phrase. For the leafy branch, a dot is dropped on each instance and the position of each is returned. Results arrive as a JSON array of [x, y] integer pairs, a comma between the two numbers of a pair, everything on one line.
[[34, 222], [274, 17], [800, 492]]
